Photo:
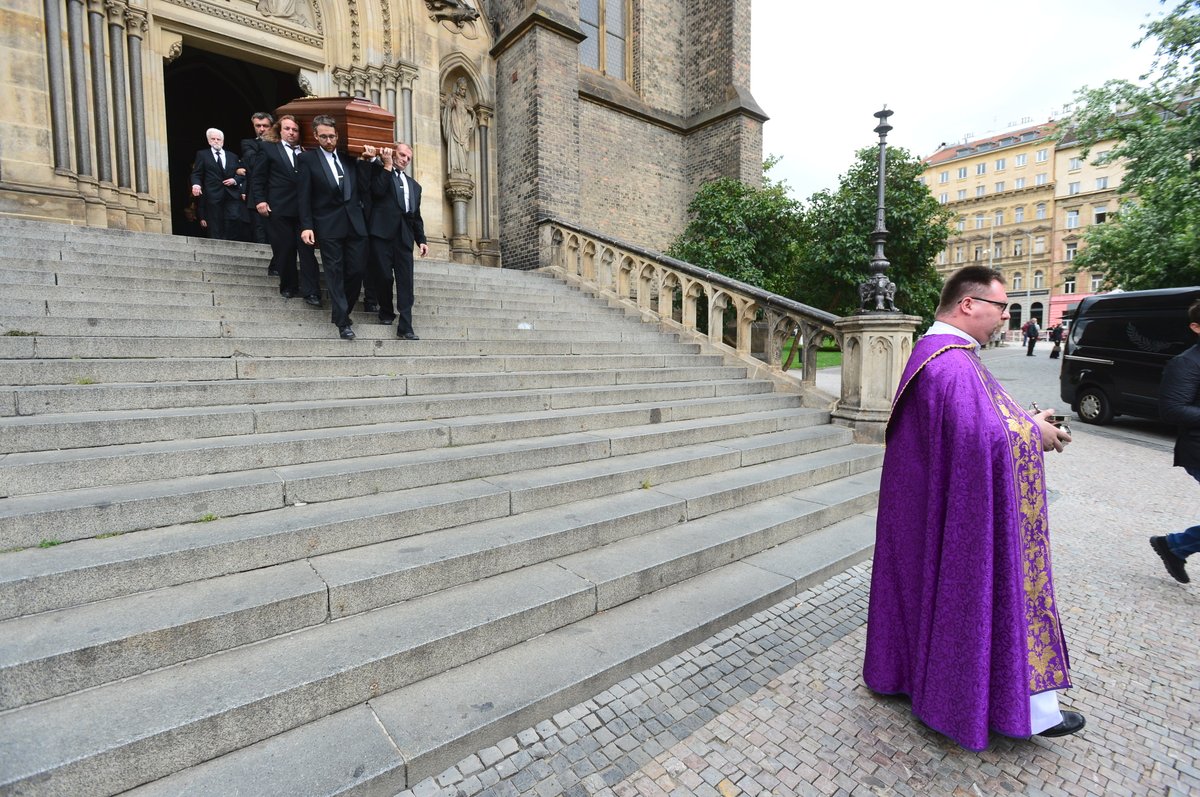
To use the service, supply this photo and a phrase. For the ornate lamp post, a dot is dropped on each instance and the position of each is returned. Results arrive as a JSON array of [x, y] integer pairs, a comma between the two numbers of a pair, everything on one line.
[[877, 340], [878, 293]]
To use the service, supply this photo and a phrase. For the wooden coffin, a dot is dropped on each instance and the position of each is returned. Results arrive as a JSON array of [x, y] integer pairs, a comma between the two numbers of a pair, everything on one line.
[[359, 121]]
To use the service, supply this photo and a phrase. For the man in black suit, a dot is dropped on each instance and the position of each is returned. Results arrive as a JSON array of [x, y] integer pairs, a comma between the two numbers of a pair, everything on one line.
[[396, 225], [275, 182], [331, 215], [215, 178], [251, 147]]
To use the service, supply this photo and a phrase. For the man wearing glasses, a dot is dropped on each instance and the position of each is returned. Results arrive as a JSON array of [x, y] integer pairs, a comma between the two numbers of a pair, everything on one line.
[[962, 612]]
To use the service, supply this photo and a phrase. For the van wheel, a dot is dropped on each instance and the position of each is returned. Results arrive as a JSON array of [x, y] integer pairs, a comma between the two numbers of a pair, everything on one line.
[[1094, 406]]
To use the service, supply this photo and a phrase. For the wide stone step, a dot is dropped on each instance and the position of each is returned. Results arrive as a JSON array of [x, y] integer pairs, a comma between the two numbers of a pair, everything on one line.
[[69, 469], [626, 545], [397, 658], [104, 740], [538, 472], [40, 580], [91, 429]]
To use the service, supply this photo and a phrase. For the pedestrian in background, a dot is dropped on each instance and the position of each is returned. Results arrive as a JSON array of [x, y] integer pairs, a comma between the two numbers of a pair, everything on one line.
[[1179, 403], [1056, 337], [1031, 335]]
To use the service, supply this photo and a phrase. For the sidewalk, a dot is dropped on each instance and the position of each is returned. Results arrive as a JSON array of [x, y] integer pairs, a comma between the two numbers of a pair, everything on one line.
[[776, 704]]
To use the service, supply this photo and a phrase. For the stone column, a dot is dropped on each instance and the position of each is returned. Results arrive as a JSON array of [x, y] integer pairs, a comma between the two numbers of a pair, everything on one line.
[[875, 347], [460, 187], [58, 84], [390, 76], [135, 23], [99, 91], [407, 75], [483, 118], [120, 109], [79, 91]]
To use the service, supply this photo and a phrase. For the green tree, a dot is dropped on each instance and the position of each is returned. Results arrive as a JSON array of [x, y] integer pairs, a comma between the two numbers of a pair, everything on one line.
[[1153, 241], [741, 231], [836, 226]]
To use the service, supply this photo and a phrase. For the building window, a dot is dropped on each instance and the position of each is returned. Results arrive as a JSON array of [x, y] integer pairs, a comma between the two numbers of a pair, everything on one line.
[[962, 194], [981, 168], [943, 197], [1020, 160], [1073, 188], [1018, 215], [1040, 212], [1040, 179], [998, 218], [1042, 155], [605, 48], [1076, 163], [944, 177], [1016, 281], [962, 172], [999, 186], [998, 249], [1039, 280], [1101, 183], [958, 254], [1039, 245], [979, 251], [979, 221], [942, 258], [1000, 164], [1072, 219], [1018, 247], [1099, 215], [1069, 284], [962, 224], [1019, 183], [1071, 250], [980, 190], [1097, 283]]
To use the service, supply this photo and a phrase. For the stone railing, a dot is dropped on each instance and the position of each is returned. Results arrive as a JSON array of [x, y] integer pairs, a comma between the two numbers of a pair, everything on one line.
[[651, 282]]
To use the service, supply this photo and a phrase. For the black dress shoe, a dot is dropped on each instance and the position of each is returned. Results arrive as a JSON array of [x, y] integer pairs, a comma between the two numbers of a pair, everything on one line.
[[1072, 722], [387, 322], [371, 307], [1175, 566], [272, 272], [315, 301], [407, 335], [286, 294], [346, 332]]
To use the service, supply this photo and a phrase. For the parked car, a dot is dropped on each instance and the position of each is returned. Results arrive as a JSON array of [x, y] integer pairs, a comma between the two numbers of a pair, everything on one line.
[[1116, 348]]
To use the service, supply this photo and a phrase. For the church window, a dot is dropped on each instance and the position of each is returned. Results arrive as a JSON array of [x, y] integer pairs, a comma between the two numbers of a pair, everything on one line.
[[605, 48]]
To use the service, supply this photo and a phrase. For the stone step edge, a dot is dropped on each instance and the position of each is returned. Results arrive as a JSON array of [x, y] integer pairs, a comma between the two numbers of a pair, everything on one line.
[[402, 739]]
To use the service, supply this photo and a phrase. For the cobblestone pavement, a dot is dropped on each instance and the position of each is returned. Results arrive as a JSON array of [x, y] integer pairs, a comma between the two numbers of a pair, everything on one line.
[[776, 704]]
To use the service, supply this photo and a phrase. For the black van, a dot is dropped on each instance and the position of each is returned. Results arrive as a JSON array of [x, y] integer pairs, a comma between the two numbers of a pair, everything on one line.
[[1116, 349]]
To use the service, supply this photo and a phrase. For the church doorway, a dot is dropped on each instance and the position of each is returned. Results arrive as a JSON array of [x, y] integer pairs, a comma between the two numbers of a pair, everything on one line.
[[203, 90]]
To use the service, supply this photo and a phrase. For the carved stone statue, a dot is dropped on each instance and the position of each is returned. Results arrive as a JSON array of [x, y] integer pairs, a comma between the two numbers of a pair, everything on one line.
[[458, 123], [298, 11], [457, 12]]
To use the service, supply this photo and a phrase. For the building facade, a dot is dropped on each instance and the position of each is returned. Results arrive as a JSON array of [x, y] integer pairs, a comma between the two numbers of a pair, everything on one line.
[[605, 113]]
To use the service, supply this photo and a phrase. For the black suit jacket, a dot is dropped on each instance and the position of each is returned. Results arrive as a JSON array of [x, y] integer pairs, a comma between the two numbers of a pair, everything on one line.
[[1179, 403], [275, 181], [208, 174], [325, 208], [388, 219], [251, 149]]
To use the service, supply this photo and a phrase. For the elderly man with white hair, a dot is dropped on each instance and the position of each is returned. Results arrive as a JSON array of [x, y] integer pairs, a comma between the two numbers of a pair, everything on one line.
[[221, 190]]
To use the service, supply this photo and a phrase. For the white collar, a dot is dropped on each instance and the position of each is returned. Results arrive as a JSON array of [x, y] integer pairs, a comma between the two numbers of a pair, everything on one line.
[[942, 328]]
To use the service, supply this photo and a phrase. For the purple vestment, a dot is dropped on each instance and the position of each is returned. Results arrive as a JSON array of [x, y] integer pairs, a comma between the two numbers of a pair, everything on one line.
[[962, 615]]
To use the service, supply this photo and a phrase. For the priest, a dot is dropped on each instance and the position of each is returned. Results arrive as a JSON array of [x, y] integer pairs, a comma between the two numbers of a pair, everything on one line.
[[962, 613]]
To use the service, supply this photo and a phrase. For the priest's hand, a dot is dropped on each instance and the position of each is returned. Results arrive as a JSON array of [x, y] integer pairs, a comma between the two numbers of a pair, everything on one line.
[[1053, 438]]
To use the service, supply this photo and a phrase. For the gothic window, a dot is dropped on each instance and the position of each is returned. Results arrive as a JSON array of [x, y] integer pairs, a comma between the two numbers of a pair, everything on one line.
[[605, 48]]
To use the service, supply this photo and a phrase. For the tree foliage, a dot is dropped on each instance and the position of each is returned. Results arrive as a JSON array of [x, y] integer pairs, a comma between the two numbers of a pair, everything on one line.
[[741, 231], [835, 227], [1153, 241]]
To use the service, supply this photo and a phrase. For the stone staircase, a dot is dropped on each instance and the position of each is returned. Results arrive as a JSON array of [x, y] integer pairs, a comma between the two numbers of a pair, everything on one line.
[[242, 556]]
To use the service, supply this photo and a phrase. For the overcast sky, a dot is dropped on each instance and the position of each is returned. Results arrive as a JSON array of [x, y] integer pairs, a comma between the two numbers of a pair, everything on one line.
[[949, 70]]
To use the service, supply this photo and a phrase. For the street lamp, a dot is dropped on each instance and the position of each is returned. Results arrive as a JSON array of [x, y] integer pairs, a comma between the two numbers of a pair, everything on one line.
[[878, 293]]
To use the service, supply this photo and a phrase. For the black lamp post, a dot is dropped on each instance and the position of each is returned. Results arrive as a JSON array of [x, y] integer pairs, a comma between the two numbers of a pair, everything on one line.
[[878, 293]]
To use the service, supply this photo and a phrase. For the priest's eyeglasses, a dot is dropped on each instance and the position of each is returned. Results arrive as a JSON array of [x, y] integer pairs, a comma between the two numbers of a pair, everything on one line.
[[1001, 305]]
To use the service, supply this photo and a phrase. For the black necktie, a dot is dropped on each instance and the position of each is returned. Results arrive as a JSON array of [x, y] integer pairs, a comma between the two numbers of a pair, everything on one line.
[[401, 193]]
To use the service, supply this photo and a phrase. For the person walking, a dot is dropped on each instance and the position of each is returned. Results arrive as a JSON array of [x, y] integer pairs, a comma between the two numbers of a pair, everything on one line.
[[1031, 336], [962, 614], [1056, 337], [1179, 403]]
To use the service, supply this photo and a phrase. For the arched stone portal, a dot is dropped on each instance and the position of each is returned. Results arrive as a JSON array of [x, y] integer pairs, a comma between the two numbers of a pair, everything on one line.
[[203, 90]]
